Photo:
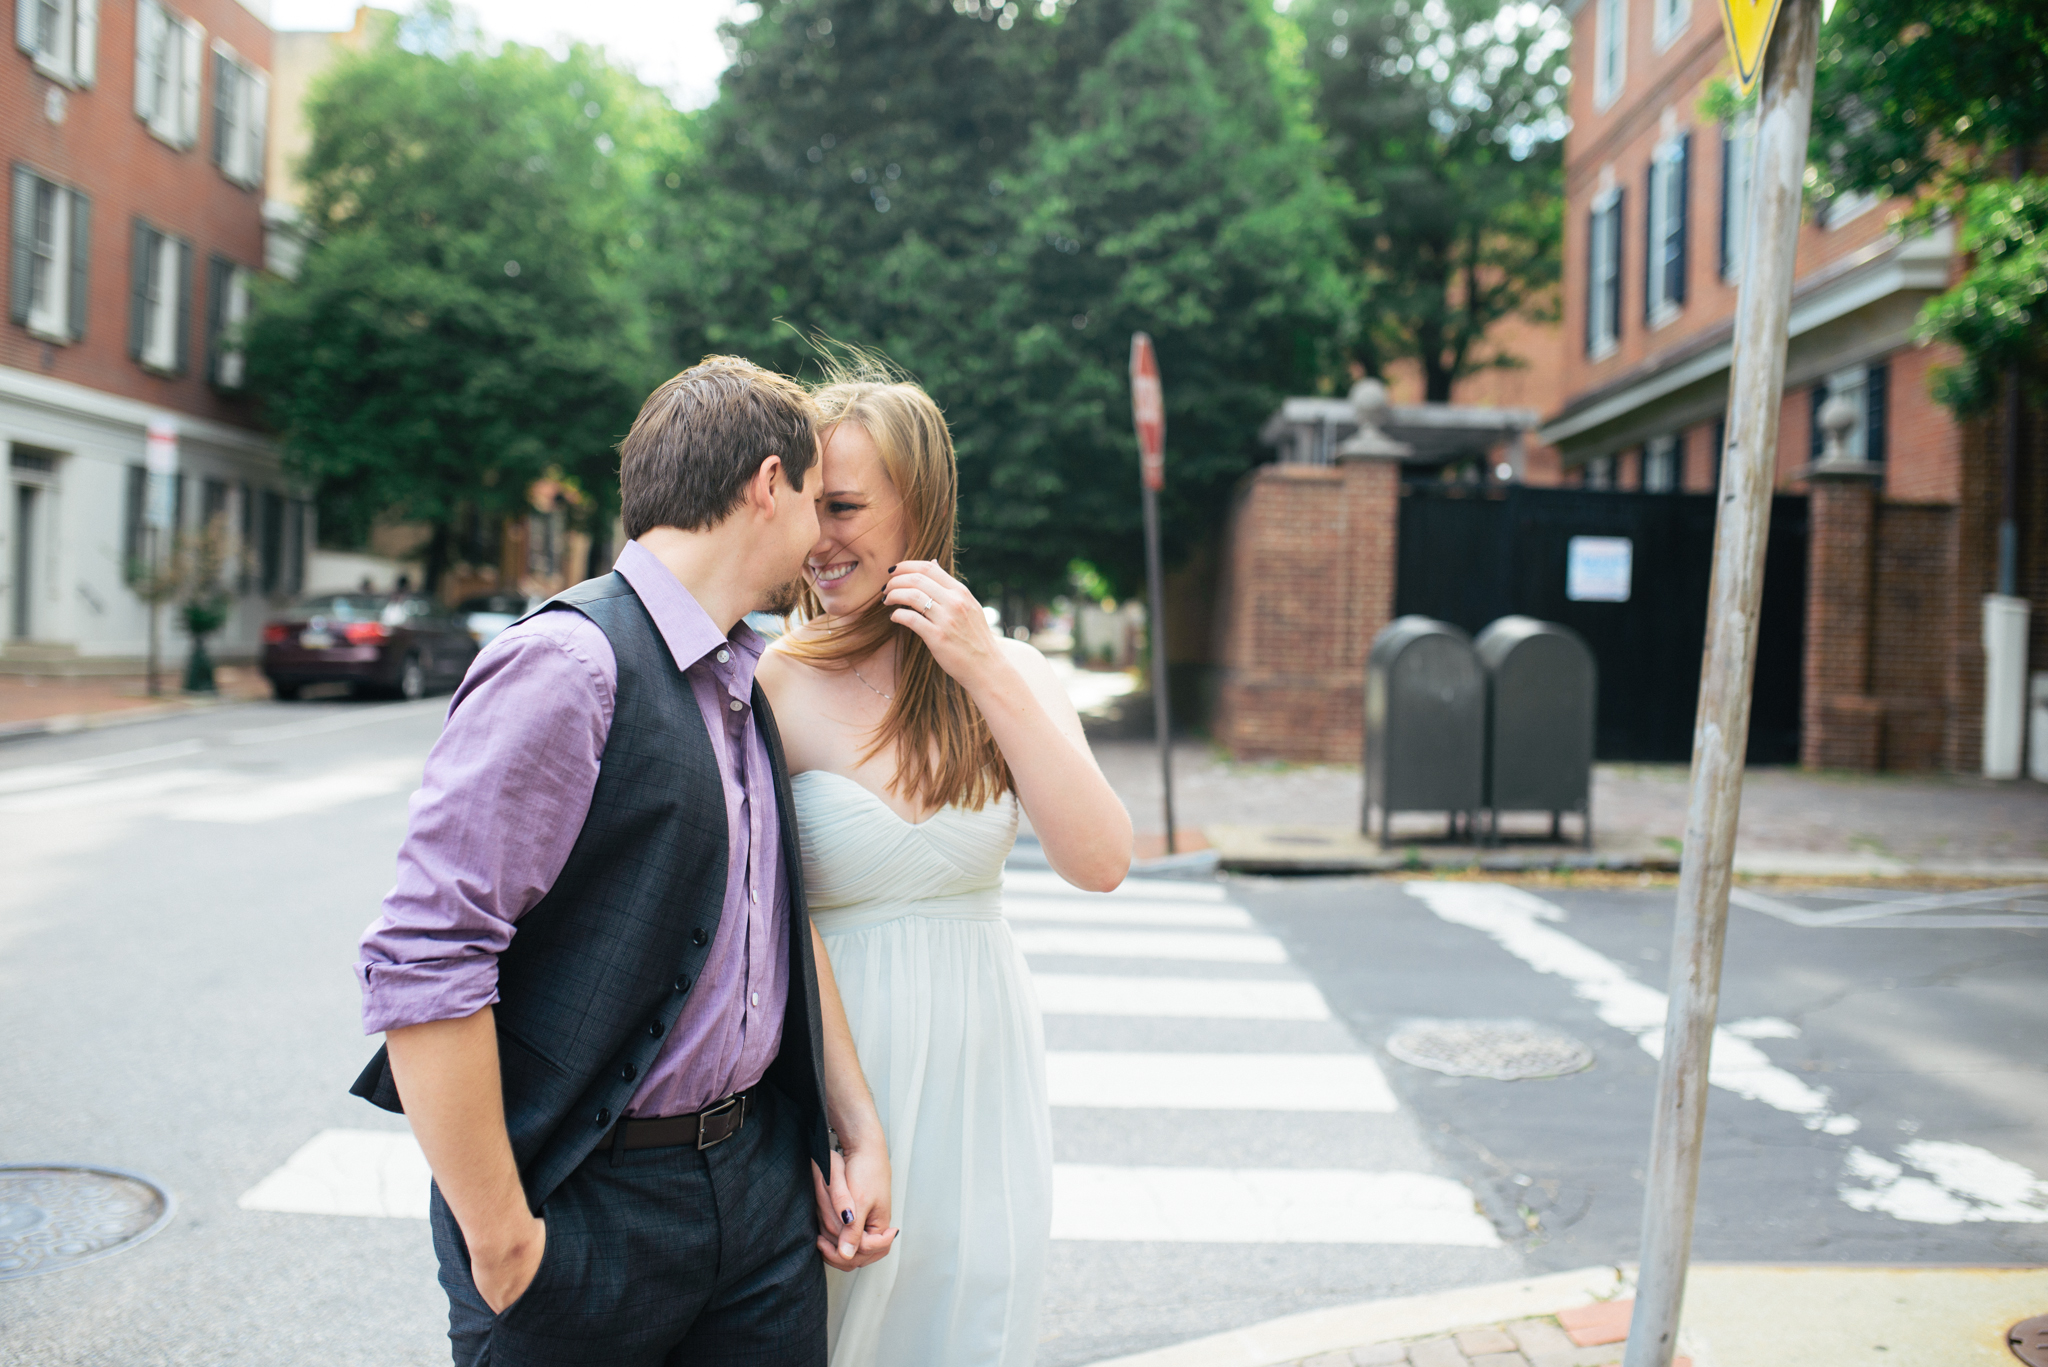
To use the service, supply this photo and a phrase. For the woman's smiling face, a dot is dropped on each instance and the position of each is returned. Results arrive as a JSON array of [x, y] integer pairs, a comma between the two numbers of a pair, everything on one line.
[[860, 523]]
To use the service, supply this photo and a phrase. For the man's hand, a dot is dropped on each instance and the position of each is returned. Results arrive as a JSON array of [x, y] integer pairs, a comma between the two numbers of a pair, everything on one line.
[[853, 1210], [503, 1272]]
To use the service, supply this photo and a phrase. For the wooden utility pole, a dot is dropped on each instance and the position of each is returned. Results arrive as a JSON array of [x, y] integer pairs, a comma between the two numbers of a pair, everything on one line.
[[1148, 417], [1721, 727]]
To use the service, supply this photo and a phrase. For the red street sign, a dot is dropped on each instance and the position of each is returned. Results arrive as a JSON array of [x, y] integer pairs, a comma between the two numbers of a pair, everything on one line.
[[1148, 412]]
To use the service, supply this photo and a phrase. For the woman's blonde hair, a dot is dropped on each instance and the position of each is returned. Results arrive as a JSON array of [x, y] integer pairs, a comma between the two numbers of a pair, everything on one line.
[[945, 753]]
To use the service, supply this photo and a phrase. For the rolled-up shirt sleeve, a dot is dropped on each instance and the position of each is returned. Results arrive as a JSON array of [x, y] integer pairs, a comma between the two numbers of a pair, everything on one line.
[[500, 805]]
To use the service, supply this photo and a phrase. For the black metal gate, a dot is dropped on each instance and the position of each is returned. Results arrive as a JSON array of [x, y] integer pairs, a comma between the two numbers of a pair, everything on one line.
[[1469, 556]]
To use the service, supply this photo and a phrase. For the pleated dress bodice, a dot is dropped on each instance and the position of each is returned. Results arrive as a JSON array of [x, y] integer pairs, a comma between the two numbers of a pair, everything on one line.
[[864, 864]]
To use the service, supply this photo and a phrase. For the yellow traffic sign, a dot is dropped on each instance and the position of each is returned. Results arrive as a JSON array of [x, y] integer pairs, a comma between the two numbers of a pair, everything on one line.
[[1748, 25]]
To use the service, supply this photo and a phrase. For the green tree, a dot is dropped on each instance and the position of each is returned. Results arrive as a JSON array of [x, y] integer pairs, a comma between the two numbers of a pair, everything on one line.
[[997, 216], [1445, 119], [472, 311], [1945, 99]]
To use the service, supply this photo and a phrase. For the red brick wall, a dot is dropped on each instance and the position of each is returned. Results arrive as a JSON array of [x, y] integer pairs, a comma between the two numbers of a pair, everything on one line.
[[1924, 464], [1913, 636], [1310, 582], [103, 149], [1840, 723]]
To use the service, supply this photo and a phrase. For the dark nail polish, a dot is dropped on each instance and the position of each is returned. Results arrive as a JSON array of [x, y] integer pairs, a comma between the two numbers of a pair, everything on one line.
[[846, 1217], [892, 569]]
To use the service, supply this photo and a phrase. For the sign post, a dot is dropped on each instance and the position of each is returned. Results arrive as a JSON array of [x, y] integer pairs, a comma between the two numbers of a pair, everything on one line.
[[159, 511], [1148, 415], [1721, 725]]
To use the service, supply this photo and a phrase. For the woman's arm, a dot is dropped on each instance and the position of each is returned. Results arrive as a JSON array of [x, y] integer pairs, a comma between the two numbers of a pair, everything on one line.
[[1079, 820], [853, 1210]]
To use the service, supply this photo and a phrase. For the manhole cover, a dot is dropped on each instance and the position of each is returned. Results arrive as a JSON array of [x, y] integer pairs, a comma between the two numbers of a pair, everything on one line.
[[1504, 1050], [55, 1217], [2029, 1341]]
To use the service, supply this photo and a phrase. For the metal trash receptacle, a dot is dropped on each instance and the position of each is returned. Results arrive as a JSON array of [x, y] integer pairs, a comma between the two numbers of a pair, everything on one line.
[[1542, 696], [1425, 724]]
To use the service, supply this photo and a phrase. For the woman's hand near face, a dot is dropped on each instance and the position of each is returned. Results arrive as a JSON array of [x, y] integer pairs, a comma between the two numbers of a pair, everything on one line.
[[947, 618]]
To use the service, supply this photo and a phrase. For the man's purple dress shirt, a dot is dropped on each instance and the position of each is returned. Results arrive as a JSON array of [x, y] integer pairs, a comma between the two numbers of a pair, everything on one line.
[[503, 799]]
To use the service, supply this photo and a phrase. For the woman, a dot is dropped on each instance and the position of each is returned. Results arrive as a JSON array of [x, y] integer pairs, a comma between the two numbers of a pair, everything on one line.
[[913, 733]]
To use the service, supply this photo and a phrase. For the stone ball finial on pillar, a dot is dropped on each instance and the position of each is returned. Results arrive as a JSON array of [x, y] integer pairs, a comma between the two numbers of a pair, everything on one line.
[[1369, 405], [1837, 416]]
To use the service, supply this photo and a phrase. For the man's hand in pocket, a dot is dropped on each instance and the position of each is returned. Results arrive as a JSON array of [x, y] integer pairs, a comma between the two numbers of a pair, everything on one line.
[[504, 1270]]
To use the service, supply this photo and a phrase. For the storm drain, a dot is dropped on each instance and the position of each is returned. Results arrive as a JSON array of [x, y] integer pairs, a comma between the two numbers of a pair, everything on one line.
[[2029, 1341], [58, 1217], [1504, 1050]]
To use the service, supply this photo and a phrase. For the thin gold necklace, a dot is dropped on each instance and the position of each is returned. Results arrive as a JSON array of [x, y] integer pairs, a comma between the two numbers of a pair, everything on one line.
[[868, 686]]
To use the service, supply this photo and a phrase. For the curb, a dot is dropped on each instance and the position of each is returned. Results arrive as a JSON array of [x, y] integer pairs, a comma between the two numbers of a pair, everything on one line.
[[1321, 1331], [99, 721]]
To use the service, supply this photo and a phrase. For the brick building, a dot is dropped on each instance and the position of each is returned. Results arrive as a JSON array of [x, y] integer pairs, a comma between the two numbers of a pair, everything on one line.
[[135, 139], [1902, 520]]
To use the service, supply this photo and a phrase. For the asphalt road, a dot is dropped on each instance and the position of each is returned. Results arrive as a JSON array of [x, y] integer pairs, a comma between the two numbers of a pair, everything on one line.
[[182, 900]]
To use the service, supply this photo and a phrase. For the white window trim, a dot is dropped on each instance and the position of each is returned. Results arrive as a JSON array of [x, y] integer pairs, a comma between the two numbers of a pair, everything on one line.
[[1739, 141], [1844, 209], [231, 368], [72, 56], [52, 321], [1609, 37], [1606, 268], [167, 89], [1670, 18], [1664, 160], [1661, 453], [160, 313]]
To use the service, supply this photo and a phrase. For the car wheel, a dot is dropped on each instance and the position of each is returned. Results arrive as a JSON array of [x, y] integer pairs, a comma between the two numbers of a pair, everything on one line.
[[284, 692], [412, 680]]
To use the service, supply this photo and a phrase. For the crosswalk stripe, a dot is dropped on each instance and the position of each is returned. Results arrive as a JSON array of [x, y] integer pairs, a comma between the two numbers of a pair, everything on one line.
[[1264, 1205], [299, 797], [348, 1172], [1046, 882], [1078, 994], [1127, 911], [1220, 1082], [1194, 946]]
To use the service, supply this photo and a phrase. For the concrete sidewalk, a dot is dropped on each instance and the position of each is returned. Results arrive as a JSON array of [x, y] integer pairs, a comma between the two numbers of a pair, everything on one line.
[[1736, 1315], [1305, 818]]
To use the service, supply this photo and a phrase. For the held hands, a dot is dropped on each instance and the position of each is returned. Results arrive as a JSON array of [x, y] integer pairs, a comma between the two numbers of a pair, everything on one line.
[[502, 1273], [853, 1212], [946, 616]]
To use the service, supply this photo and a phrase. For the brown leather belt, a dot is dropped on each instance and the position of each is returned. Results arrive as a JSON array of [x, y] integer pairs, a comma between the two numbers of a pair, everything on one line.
[[715, 1124]]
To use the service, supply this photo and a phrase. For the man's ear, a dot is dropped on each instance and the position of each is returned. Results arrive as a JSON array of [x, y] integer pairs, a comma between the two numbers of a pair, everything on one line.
[[761, 488]]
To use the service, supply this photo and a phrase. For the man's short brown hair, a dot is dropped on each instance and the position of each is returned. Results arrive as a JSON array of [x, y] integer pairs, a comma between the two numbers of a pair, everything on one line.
[[703, 434]]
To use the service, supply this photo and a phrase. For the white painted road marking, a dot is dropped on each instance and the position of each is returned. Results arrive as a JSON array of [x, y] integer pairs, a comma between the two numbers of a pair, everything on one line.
[[1963, 1184], [1264, 1205], [1187, 946], [338, 721], [1044, 882], [1074, 994], [299, 797], [1515, 919], [1127, 911], [38, 776], [348, 1172], [1220, 1082]]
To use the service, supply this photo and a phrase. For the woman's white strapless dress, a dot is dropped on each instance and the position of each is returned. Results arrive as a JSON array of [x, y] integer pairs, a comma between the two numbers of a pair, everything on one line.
[[950, 1038]]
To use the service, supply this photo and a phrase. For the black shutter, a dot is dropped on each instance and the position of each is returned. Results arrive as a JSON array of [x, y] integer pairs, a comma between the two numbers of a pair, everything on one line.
[[1650, 230], [1592, 272], [22, 275], [181, 353], [222, 74], [1875, 429], [131, 523], [1818, 436], [81, 262], [1727, 184], [218, 272], [1720, 448], [141, 255], [246, 580], [1674, 286], [1620, 227]]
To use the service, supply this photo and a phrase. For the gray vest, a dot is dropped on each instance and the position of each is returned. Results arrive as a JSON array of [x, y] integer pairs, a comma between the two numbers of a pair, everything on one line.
[[599, 969]]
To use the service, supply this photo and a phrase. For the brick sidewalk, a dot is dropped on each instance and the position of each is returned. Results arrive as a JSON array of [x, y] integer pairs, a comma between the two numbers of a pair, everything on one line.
[[35, 703], [1591, 1336]]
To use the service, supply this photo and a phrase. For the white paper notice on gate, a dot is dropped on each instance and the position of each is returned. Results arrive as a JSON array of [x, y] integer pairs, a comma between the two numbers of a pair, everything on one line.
[[1598, 568]]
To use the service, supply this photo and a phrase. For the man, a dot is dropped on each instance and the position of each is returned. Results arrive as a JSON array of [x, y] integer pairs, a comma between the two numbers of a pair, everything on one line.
[[603, 1005]]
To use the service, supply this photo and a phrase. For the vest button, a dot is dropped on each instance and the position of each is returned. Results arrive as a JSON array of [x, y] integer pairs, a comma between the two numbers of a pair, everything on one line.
[[699, 936], [654, 1028], [603, 1116], [683, 984], [628, 1071]]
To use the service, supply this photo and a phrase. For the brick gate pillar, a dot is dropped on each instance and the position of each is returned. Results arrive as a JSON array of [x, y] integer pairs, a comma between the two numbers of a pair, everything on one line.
[[1841, 724], [1309, 583]]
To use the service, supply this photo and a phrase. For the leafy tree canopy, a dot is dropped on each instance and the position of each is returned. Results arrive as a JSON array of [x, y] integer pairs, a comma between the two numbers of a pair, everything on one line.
[[1445, 119], [471, 311]]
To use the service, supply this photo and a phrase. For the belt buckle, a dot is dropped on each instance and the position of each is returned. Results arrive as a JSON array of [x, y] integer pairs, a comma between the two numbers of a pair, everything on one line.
[[709, 1113]]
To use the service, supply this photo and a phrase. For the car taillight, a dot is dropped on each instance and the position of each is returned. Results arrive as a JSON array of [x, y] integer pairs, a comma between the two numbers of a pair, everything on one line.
[[276, 634], [366, 633]]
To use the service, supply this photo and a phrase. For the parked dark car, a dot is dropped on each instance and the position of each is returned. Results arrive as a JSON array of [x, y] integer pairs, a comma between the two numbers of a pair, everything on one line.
[[376, 644]]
